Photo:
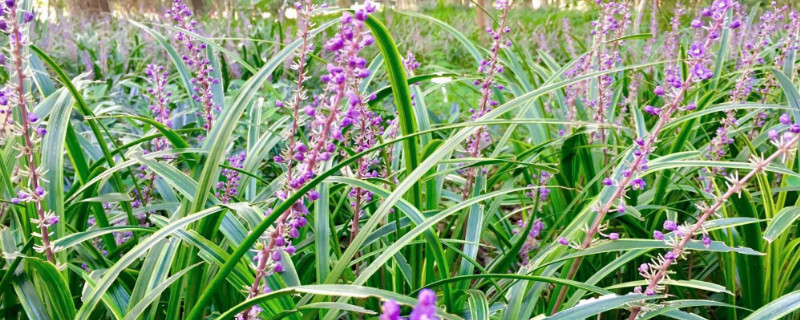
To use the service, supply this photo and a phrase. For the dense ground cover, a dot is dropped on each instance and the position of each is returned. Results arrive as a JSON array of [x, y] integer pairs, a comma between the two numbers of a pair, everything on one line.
[[613, 162]]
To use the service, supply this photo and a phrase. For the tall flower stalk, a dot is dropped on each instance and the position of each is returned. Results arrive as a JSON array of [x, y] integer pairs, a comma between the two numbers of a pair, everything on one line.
[[698, 70], [160, 99], [614, 20], [480, 139], [325, 127], [269, 255], [13, 96], [181, 16], [744, 85], [229, 188], [658, 269], [787, 44], [365, 125]]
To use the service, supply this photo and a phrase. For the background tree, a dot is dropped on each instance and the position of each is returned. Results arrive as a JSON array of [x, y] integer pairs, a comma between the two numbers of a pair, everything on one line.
[[199, 6], [88, 7]]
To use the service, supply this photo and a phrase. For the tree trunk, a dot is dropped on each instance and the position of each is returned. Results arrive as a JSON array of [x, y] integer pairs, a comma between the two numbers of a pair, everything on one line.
[[89, 7], [199, 6], [480, 15]]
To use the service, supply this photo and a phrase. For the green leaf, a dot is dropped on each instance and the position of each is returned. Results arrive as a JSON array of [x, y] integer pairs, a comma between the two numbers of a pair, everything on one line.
[[154, 293], [696, 284], [53, 160], [350, 291], [133, 255], [478, 305], [631, 244], [790, 91], [593, 306], [393, 62], [777, 308], [471, 48], [782, 221], [677, 304], [76, 238], [60, 302]]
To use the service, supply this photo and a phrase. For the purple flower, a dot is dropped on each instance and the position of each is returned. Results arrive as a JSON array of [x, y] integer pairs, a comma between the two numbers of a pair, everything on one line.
[[670, 256], [180, 16], [670, 225], [785, 119], [563, 241], [229, 188], [652, 110], [613, 236], [702, 72], [658, 235], [426, 306], [706, 241], [773, 134], [638, 184], [696, 50], [390, 311], [410, 62], [659, 91], [608, 182], [532, 241]]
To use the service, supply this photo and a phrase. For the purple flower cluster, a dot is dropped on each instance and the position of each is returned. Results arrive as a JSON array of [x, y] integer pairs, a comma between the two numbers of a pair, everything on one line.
[[119, 237], [787, 44], [181, 16], [160, 99], [159, 107], [648, 48], [230, 187], [410, 62], [532, 240], [425, 309], [295, 152], [541, 191], [749, 57], [566, 34], [491, 68], [612, 24], [13, 96], [325, 125], [344, 79], [390, 310]]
